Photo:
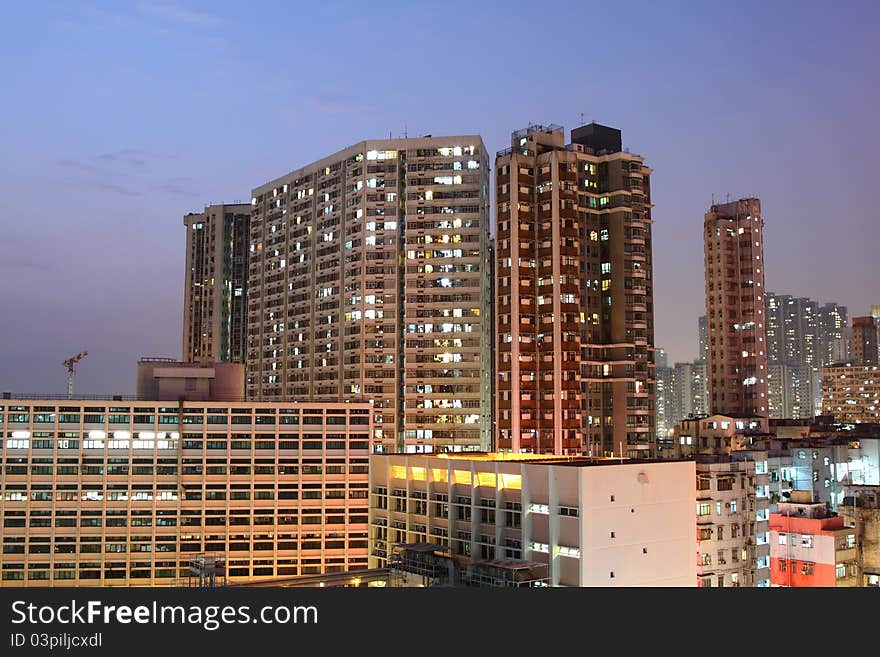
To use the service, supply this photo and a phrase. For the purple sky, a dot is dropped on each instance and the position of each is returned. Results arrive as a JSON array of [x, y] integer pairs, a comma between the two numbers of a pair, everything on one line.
[[117, 119]]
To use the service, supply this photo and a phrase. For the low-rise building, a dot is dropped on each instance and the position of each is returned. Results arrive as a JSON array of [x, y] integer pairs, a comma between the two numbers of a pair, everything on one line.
[[715, 434], [811, 546], [732, 520], [851, 392], [593, 521], [166, 379], [130, 493], [861, 508]]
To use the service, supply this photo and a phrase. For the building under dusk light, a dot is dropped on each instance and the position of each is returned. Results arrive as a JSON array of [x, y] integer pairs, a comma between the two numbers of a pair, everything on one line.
[[734, 264], [594, 522], [369, 279], [851, 393], [128, 493], [811, 546], [574, 345], [215, 287]]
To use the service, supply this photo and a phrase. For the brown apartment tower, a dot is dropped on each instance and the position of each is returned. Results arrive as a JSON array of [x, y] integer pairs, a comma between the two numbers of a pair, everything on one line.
[[215, 287], [574, 295], [865, 340], [734, 260]]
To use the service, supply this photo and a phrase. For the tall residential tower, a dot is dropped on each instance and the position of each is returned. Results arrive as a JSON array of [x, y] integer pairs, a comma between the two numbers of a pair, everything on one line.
[[574, 294], [369, 278], [864, 340], [737, 358], [215, 290]]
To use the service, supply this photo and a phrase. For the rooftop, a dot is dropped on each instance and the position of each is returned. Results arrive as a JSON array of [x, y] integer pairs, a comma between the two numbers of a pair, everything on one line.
[[575, 460]]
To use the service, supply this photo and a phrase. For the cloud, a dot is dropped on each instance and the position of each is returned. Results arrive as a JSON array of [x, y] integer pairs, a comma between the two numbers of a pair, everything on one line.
[[176, 186], [119, 189], [173, 12], [131, 157], [75, 164], [128, 156]]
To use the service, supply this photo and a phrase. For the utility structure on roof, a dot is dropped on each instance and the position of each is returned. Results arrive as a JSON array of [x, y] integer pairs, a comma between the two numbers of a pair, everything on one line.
[[70, 364]]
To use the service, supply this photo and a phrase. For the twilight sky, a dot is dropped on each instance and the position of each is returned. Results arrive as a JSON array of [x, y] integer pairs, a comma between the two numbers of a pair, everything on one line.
[[119, 118]]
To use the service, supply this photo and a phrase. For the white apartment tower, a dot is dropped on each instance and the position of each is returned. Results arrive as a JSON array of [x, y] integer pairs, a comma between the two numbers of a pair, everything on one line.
[[369, 278]]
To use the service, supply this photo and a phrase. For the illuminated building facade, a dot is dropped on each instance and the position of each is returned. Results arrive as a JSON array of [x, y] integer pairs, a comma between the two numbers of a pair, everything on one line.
[[594, 522], [574, 347], [733, 512], [369, 278], [851, 393], [811, 546], [864, 340], [737, 354], [215, 288], [126, 493]]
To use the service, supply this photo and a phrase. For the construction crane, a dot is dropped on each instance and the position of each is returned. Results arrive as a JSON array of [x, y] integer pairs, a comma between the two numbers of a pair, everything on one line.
[[70, 364]]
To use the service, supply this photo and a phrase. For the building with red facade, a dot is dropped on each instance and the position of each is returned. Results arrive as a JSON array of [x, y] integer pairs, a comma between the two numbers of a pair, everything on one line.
[[811, 546]]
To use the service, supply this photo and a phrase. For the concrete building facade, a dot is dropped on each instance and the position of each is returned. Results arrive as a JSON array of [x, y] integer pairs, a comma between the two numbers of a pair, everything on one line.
[[861, 509], [790, 390], [574, 294], [128, 493], [167, 379], [737, 355], [851, 393], [811, 546], [369, 278], [864, 341], [703, 337], [215, 285], [834, 336], [595, 522], [733, 520]]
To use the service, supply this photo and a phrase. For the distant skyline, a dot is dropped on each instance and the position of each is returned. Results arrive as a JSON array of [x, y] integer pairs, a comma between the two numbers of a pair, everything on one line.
[[121, 118]]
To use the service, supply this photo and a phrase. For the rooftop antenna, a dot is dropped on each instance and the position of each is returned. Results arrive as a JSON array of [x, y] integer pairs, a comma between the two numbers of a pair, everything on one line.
[[70, 364], [404, 131], [582, 118]]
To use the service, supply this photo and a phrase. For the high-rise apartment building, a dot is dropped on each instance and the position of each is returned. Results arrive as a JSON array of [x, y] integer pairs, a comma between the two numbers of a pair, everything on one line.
[[369, 278], [792, 329], [790, 391], [682, 393], [574, 294], [833, 334], [703, 332], [661, 359], [802, 336], [664, 398], [864, 341], [737, 358], [690, 390], [215, 289]]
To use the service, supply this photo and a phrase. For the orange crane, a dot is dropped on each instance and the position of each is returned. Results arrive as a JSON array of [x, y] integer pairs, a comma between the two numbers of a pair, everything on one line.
[[70, 364]]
